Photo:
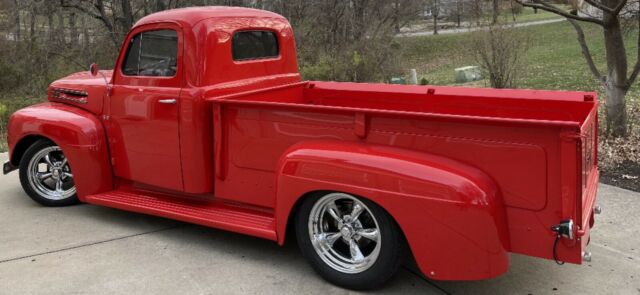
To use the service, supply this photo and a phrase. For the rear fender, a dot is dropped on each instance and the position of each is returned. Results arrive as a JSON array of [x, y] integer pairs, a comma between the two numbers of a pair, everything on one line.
[[79, 134], [451, 214]]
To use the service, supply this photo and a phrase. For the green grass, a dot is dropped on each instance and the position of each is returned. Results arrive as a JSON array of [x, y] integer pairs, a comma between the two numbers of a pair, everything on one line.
[[553, 59], [528, 15]]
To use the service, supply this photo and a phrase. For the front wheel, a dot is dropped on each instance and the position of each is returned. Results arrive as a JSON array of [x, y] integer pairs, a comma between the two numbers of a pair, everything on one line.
[[46, 176], [349, 241]]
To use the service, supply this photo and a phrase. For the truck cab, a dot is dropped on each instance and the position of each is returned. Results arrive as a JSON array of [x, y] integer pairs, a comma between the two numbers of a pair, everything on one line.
[[206, 119]]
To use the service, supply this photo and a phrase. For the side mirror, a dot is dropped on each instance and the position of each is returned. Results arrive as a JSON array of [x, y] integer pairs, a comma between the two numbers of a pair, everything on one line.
[[93, 68]]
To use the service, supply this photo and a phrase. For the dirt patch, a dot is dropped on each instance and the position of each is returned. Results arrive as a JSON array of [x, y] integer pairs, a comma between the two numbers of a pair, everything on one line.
[[626, 175]]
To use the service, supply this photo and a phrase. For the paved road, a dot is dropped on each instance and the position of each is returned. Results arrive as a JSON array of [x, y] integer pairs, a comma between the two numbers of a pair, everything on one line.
[[473, 29], [89, 249]]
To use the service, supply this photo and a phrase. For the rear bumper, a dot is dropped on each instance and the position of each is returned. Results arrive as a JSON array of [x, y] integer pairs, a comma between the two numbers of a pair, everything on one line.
[[8, 167]]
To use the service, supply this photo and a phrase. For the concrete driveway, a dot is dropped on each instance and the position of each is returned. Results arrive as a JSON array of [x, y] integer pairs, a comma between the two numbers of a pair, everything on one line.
[[90, 249]]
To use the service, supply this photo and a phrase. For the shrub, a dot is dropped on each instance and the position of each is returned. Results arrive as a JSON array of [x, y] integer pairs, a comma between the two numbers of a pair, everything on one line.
[[499, 50]]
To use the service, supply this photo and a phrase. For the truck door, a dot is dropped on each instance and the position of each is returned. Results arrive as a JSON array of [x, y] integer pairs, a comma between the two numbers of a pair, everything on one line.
[[143, 120]]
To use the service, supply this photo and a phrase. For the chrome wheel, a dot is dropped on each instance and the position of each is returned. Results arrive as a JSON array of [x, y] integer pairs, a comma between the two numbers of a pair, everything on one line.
[[344, 233], [49, 174]]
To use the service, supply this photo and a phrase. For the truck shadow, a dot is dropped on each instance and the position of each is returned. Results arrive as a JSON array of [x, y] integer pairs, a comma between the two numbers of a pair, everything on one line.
[[284, 265]]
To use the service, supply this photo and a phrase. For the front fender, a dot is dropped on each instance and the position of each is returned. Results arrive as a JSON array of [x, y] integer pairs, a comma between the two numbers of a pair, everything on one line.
[[451, 214], [79, 134]]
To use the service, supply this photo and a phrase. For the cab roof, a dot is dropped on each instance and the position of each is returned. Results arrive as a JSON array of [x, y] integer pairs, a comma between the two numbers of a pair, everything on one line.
[[193, 15]]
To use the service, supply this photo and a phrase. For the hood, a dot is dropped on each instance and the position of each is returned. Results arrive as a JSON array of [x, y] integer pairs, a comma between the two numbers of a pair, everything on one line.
[[81, 89]]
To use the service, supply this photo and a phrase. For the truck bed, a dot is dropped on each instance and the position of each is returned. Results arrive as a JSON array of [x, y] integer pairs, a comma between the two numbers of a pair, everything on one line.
[[536, 145]]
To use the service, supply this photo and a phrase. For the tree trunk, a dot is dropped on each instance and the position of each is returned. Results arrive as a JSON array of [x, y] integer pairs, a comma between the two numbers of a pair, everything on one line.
[[86, 39], [359, 7], [496, 11], [127, 14], [17, 22], [73, 28], [458, 12], [159, 5], [61, 33], [396, 16], [51, 30], [616, 111], [477, 11], [32, 25], [616, 80], [435, 11]]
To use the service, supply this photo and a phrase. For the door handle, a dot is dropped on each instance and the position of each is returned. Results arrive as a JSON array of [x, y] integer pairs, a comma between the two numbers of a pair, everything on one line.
[[167, 101]]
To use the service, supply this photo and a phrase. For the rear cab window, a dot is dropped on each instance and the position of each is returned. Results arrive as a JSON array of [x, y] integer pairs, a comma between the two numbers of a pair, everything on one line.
[[152, 53], [256, 44]]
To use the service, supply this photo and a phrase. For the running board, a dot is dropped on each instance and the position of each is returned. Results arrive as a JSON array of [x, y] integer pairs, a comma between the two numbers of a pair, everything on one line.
[[212, 214]]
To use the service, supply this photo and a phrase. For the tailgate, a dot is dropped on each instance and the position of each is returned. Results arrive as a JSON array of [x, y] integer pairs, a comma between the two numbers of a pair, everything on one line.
[[589, 173], [583, 146]]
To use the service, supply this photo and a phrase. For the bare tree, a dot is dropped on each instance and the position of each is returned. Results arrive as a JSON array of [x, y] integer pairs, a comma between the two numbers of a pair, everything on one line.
[[618, 79], [499, 51], [18, 26], [459, 11]]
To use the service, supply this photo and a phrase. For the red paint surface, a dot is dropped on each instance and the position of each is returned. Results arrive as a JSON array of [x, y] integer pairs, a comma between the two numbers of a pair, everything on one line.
[[470, 175]]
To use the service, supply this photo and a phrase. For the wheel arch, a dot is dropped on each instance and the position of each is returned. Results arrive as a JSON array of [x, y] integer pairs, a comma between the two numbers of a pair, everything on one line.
[[441, 213], [22, 145], [77, 132]]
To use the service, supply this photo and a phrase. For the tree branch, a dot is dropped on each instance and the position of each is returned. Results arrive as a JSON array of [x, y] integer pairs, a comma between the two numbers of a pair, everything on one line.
[[608, 9], [101, 15], [600, 5], [636, 67], [618, 8], [80, 8], [585, 51], [539, 4]]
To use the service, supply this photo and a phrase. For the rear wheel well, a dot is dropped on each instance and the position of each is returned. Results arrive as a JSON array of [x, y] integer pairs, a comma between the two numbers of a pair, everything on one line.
[[22, 146], [294, 210], [289, 229]]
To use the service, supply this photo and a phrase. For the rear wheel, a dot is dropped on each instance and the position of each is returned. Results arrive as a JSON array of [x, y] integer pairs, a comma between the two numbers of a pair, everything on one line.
[[349, 241], [46, 176]]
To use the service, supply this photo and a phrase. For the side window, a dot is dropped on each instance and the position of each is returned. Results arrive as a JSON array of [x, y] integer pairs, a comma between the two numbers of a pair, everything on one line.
[[254, 45], [152, 53]]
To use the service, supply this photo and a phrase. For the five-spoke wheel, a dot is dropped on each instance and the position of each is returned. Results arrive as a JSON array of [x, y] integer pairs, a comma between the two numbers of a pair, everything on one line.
[[344, 233], [350, 241], [46, 176]]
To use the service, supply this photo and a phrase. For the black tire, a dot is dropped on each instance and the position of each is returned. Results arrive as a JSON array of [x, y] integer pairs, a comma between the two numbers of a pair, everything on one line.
[[392, 249], [31, 191]]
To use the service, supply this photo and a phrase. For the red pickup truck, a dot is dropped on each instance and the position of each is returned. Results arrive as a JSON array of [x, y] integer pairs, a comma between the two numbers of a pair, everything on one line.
[[205, 119]]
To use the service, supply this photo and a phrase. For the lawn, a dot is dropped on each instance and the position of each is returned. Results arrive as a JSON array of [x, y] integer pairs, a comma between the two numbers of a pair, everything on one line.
[[527, 15], [553, 59]]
